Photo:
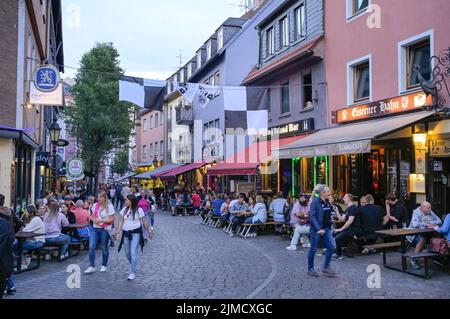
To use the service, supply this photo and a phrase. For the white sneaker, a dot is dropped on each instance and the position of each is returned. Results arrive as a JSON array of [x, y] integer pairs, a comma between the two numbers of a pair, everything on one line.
[[89, 271], [231, 234], [307, 245], [291, 248], [48, 257], [103, 269], [132, 276]]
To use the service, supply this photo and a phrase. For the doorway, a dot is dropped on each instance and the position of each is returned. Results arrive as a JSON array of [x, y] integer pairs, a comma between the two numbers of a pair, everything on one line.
[[440, 168]]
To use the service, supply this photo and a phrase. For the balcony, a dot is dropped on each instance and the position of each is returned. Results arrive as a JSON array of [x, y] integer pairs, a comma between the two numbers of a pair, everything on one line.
[[185, 116]]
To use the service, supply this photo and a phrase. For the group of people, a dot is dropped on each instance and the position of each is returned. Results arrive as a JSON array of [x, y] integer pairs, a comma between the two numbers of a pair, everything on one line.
[[52, 220]]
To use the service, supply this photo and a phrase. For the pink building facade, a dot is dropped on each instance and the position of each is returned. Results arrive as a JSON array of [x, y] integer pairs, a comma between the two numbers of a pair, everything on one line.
[[386, 143]]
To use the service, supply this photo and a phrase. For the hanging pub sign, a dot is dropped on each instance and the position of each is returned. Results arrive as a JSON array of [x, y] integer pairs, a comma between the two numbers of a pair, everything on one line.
[[291, 129], [46, 87], [394, 105], [75, 169]]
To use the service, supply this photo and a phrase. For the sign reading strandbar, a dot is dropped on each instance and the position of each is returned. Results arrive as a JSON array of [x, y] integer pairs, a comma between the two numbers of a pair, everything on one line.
[[399, 104]]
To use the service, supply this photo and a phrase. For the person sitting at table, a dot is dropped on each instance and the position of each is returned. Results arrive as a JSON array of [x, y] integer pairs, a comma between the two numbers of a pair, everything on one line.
[[300, 223], [423, 218], [396, 211], [350, 229], [186, 201], [225, 210], [258, 214], [196, 201], [237, 213], [54, 221], [372, 218], [81, 214], [251, 203], [277, 208], [337, 211], [34, 224], [217, 205], [205, 207], [69, 203], [445, 228]]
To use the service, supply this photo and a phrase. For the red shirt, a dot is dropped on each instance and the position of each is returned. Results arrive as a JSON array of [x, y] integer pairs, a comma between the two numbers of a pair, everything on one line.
[[81, 216], [196, 200]]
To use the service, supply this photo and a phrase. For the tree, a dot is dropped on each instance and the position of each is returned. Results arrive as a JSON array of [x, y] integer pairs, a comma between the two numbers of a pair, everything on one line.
[[120, 163], [98, 120]]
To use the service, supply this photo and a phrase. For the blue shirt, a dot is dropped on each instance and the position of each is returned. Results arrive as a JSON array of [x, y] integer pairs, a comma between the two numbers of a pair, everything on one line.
[[445, 228], [236, 207], [217, 204], [260, 213]]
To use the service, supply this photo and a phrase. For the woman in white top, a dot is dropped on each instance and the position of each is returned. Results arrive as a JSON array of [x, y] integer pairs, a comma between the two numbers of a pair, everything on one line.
[[131, 225], [103, 214], [34, 225]]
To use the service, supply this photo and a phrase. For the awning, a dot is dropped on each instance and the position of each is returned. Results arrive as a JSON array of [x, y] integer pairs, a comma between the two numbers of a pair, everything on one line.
[[348, 139], [247, 161], [172, 174], [17, 134], [157, 171], [125, 177]]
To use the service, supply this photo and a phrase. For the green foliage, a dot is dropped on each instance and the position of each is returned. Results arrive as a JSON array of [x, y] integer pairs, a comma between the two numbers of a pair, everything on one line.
[[97, 119], [120, 164]]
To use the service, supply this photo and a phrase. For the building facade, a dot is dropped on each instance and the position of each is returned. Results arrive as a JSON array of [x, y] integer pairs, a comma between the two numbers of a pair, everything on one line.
[[31, 33]]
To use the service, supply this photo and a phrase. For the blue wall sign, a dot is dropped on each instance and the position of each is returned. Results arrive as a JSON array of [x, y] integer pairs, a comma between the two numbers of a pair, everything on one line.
[[46, 78]]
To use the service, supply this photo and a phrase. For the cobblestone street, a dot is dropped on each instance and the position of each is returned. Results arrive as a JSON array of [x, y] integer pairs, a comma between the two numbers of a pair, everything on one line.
[[189, 260]]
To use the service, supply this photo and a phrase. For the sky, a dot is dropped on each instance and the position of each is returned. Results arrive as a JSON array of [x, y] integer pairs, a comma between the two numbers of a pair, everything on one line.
[[148, 34]]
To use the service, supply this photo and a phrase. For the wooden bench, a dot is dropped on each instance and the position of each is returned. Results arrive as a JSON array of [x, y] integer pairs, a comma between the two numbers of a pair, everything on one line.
[[228, 226], [214, 221], [246, 228], [383, 248], [426, 256]]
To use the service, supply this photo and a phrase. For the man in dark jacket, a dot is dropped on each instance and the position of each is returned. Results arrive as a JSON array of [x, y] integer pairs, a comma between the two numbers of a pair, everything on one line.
[[6, 253]]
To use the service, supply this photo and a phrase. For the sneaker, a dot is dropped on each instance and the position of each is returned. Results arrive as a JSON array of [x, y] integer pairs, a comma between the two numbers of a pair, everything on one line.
[[11, 291], [366, 251], [328, 272], [313, 273], [292, 248], [307, 245], [336, 257], [89, 271], [415, 265], [48, 257], [132, 276], [103, 269]]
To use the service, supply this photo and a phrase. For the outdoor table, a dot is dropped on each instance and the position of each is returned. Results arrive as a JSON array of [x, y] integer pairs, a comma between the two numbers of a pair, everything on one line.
[[21, 237], [77, 226], [402, 234]]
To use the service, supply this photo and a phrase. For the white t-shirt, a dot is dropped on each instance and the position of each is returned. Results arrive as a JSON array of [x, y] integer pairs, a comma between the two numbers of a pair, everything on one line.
[[129, 223], [103, 214]]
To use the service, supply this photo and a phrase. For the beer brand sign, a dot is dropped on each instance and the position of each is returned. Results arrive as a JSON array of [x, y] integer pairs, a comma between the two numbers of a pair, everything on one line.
[[395, 105]]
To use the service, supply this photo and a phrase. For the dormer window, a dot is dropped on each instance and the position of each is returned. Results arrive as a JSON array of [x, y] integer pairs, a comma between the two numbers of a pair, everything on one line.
[[199, 59], [220, 39], [189, 70], [270, 37], [182, 76], [208, 50]]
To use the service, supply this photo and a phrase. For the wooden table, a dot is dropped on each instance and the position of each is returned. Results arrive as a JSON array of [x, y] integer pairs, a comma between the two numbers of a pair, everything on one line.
[[21, 237], [402, 234], [77, 226]]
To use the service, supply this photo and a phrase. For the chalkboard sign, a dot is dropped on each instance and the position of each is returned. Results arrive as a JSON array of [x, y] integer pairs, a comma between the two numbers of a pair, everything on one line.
[[258, 182], [353, 174]]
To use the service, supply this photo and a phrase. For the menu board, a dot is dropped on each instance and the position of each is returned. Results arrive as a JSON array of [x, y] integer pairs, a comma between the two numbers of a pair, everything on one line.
[[354, 173], [405, 169]]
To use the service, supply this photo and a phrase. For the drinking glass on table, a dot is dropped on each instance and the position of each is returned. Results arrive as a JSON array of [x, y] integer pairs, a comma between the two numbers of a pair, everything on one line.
[[405, 225], [395, 227]]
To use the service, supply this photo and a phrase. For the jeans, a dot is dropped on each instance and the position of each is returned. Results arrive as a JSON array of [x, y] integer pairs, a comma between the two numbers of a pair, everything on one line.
[[341, 238], [329, 244], [237, 221], [95, 235], [63, 240], [301, 232], [27, 245], [131, 250], [10, 282]]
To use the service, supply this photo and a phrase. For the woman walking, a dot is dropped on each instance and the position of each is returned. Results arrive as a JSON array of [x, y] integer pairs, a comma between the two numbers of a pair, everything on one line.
[[103, 215], [131, 227]]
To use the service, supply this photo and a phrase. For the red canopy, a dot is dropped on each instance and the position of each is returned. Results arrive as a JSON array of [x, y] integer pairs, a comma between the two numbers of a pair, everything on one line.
[[172, 174], [247, 161]]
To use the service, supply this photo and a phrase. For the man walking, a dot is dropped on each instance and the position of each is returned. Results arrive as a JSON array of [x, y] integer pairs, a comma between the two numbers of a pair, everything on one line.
[[6, 254], [320, 214]]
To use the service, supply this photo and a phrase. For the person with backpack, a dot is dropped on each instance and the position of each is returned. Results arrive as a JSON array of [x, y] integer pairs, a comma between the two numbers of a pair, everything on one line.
[[103, 214], [130, 232]]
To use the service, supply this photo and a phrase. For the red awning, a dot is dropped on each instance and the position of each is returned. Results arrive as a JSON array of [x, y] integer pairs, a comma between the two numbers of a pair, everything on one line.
[[172, 174], [247, 161]]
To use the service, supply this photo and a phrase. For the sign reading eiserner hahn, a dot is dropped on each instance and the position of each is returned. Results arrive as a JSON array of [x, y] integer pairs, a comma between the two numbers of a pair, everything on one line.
[[46, 78], [399, 104]]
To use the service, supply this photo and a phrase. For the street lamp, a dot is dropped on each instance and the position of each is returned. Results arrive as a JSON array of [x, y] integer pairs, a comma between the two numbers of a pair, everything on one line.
[[55, 130]]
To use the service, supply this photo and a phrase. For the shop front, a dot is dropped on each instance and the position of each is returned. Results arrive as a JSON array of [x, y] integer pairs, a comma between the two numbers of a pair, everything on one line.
[[377, 157], [185, 176], [150, 179]]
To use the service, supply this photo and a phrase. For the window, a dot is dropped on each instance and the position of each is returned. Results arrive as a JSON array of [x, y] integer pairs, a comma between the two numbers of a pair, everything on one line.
[[270, 42], [156, 120], [189, 70], [217, 78], [220, 40], [199, 59], [307, 90], [217, 129], [359, 5], [300, 22], [156, 149], [144, 151], [182, 75], [208, 50], [161, 148], [418, 56], [150, 152], [361, 82], [269, 102], [151, 122], [144, 126], [208, 81], [285, 105], [284, 32], [161, 119]]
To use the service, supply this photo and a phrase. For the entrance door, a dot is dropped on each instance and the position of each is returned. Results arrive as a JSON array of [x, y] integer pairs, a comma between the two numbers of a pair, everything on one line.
[[441, 185]]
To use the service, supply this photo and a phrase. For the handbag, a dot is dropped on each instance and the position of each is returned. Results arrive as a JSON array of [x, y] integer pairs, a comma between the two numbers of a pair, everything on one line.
[[439, 246]]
